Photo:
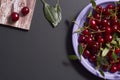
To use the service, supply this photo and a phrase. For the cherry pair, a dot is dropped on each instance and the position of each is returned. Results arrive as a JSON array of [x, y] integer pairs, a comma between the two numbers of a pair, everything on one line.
[[15, 16]]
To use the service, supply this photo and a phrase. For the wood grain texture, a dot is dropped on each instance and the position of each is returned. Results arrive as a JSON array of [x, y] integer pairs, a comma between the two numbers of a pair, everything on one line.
[[9, 6]]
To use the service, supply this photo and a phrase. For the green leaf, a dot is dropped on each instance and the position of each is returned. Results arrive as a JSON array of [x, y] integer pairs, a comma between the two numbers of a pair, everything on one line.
[[105, 51], [102, 61], [108, 45], [102, 73], [80, 49], [72, 57], [113, 42], [52, 14], [114, 56], [93, 4]]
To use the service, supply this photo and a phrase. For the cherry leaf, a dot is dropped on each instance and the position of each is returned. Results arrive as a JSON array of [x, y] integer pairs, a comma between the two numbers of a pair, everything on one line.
[[102, 73], [93, 4], [52, 13], [80, 49], [72, 57], [105, 51], [114, 56]]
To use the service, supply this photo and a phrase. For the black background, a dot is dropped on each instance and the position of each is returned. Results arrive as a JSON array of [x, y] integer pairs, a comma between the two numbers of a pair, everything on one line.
[[42, 53]]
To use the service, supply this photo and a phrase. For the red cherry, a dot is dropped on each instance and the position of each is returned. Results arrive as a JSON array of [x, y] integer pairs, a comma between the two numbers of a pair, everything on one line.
[[105, 22], [97, 16], [25, 10], [86, 32], [14, 16], [108, 30], [117, 50], [108, 38], [110, 6], [113, 68], [114, 20], [101, 40], [106, 11], [86, 54], [89, 40], [99, 9], [92, 58], [92, 23], [114, 28], [81, 39], [98, 22]]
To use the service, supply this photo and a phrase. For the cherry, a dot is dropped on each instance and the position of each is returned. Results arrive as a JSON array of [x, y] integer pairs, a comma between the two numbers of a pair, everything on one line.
[[106, 11], [99, 9], [89, 40], [117, 50], [105, 22], [110, 6], [98, 22], [108, 30], [25, 10], [114, 20], [92, 58], [92, 22], [94, 27], [114, 28], [81, 39], [86, 54], [86, 32], [97, 16], [101, 40], [108, 38], [90, 35], [113, 68], [14, 16]]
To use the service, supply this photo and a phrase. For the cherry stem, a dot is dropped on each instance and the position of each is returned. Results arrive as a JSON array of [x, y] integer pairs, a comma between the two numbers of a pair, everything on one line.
[[97, 32]]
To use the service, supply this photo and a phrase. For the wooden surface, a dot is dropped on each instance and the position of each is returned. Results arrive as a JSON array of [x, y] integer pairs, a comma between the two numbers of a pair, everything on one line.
[[9, 6]]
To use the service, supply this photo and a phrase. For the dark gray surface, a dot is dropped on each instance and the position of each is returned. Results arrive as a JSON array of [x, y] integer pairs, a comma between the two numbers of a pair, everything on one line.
[[42, 52]]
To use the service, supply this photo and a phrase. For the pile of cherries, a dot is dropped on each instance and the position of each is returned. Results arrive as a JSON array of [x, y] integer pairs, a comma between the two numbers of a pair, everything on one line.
[[99, 30]]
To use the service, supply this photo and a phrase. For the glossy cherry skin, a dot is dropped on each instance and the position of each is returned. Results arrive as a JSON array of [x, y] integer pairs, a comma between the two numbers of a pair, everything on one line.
[[110, 6], [81, 39], [97, 16], [86, 32], [114, 28], [86, 54], [101, 40], [92, 23], [25, 10], [117, 50], [99, 9], [89, 40], [14, 16], [105, 23], [92, 58], [108, 30], [108, 38], [113, 69]]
